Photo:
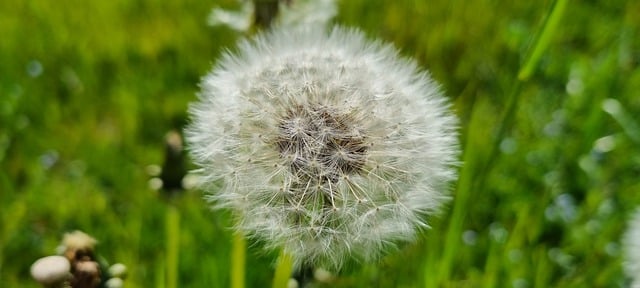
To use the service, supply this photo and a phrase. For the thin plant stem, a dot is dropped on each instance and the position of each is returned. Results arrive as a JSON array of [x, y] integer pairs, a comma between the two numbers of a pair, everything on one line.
[[160, 274], [238, 260], [455, 227], [284, 268], [476, 168], [173, 246], [542, 42]]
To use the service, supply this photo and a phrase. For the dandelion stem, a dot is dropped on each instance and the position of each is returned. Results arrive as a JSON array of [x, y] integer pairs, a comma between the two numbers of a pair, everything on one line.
[[265, 12], [238, 261], [284, 269], [160, 274], [304, 275], [476, 166], [173, 243]]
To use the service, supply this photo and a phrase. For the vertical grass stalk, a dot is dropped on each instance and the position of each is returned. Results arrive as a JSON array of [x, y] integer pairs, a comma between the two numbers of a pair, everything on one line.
[[238, 260], [160, 274], [465, 185], [284, 268], [173, 243], [475, 168], [542, 42]]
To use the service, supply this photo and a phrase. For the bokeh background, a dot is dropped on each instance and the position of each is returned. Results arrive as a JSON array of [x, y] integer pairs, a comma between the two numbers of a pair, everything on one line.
[[89, 89]]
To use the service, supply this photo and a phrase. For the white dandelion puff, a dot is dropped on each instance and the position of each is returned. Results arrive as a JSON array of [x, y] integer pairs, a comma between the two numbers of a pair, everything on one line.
[[330, 146], [307, 12], [290, 13], [631, 243], [236, 20]]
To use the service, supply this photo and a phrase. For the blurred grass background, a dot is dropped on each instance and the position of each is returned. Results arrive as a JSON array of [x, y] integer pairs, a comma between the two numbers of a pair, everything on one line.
[[88, 90]]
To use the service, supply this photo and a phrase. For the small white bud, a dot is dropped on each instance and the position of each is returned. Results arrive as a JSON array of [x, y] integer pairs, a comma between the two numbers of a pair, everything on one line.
[[51, 270], [322, 275], [78, 240], [292, 283], [114, 282], [118, 270], [155, 183]]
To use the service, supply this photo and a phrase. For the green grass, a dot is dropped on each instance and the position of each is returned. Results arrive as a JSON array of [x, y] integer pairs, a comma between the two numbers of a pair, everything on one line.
[[89, 89]]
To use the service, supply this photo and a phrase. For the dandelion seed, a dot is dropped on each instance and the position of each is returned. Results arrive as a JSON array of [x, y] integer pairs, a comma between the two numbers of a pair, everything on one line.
[[330, 146]]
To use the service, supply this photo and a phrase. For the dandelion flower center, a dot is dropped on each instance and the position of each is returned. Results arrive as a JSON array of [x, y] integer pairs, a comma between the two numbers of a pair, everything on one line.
[[320, 144]]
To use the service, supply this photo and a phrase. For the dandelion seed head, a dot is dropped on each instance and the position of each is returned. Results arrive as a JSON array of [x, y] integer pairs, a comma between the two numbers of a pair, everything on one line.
[[329, 145]]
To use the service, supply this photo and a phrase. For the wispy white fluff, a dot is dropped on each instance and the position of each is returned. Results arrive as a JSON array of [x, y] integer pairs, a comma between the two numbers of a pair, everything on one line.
[[291, 13], [329, 145], [632, 250], [236, 20], [307, 12]]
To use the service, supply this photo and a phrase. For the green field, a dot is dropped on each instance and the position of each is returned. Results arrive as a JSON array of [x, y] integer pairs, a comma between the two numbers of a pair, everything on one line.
[[550, 126]]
